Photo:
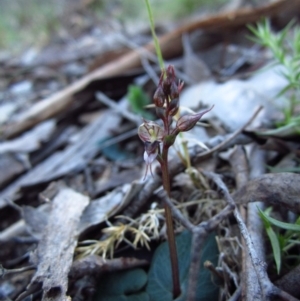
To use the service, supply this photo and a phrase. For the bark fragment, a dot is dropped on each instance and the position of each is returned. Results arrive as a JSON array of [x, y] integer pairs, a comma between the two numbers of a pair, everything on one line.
[[55, 251], [273, 189]]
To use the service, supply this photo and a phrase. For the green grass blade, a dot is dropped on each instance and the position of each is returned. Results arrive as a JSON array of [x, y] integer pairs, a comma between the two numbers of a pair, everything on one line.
[[275, 222], [273, 238], [275, 247], [155, 39]]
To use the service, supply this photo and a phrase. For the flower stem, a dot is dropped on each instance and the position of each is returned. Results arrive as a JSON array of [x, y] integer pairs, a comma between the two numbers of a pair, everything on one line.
[[169, 222], [155, 39]]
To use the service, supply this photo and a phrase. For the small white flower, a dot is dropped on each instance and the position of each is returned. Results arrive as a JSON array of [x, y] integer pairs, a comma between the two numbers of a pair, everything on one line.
[[149, 158]]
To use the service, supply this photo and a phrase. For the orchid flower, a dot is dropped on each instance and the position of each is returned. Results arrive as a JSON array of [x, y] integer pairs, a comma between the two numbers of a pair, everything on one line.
[[151, 134]]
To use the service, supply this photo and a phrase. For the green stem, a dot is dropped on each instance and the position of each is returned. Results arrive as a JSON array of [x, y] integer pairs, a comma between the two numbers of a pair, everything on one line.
[[169, 222], [155, 39]]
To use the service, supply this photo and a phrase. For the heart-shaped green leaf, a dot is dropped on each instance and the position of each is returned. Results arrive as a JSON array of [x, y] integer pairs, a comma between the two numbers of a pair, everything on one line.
[[159, 285]]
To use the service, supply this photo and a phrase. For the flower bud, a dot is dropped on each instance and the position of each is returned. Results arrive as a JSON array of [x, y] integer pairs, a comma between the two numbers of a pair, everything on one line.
[[174, 92], [170, 72], [174, 106], [166, 84], [159, 97], [187, 122]]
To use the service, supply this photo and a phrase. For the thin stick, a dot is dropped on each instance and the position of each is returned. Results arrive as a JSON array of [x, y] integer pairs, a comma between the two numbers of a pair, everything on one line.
[[207, 154], [112, 104], [4, 271]]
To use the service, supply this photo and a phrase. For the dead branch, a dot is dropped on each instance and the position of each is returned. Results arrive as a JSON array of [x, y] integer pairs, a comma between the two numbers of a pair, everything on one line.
[[4, 271], [96, 265], [254, 223], [273, 189], [225, 142], [239, 164]]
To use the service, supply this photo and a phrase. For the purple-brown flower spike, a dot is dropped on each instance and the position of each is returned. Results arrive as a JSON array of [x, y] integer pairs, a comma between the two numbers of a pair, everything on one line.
[[158, 140], [166, 100], [187, 122]]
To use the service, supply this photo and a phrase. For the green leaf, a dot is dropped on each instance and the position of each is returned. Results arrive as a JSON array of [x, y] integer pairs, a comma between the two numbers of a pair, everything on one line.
[[122, 286], [275, 222], [294, 241], [280, 170], [289, 130], [275, 247], [273, 238], [159, 285], [138, 99]]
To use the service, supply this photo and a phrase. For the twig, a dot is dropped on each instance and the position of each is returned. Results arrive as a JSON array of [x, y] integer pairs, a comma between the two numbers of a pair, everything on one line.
[[121, 110], [117, 139], [175, 211], [238, 161], [207, 154], [4, 271], [254, 222], [236, 295], [96, 265]]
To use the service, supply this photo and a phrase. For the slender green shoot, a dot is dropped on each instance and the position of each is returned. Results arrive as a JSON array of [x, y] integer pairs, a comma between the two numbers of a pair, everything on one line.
[[285, 48], [155, 39], [281, 241]]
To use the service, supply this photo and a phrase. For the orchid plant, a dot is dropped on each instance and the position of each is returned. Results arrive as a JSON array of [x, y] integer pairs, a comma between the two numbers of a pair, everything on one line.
[[157, 141]]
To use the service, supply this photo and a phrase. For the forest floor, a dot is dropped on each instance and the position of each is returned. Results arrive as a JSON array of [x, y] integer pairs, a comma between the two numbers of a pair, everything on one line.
[[82, 215]]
